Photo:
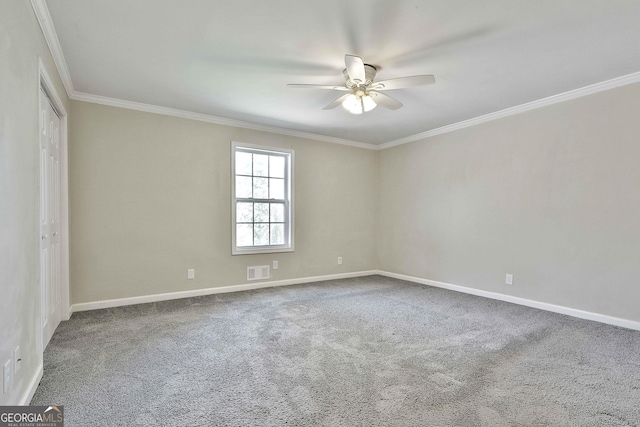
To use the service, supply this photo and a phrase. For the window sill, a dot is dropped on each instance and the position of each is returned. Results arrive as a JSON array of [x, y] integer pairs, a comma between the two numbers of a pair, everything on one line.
[[258, 251]]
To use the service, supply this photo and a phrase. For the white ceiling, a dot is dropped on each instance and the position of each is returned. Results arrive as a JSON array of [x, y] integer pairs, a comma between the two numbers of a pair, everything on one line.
[[233, 59]]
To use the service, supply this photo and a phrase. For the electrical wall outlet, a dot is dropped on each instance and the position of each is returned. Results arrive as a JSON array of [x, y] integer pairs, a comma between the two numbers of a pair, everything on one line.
[[509, 279], [339, 260], [191, 273], [6, 377], [275, 265], [16, 360]]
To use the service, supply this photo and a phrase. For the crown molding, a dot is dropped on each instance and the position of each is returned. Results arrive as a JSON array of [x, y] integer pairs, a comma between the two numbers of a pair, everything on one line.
[[148, 108], [544, 102], [46, 24]]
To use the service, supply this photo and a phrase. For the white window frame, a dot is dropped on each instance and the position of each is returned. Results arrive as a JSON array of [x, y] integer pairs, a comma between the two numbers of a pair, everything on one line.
[[289, 205]]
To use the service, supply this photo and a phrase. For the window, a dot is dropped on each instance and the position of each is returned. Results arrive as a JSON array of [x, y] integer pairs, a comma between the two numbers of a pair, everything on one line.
[[262, 199]]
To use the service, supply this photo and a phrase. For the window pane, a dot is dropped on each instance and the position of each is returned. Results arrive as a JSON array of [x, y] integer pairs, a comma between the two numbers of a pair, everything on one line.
[[243, 187], [277, 234], [260, 165], [244, 234], [277, 212], [244, 212], [276, 188], [276, 166], [243, 163], [260, 188], [261, 212], [261, 234]]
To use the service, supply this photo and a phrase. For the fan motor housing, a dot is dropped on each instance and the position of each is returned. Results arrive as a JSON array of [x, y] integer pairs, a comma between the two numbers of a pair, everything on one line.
[[369, 72]]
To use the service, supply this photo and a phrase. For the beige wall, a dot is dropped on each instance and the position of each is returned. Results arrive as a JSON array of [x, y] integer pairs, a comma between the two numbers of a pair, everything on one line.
[[150, 198], [551, 195], [21, 43]]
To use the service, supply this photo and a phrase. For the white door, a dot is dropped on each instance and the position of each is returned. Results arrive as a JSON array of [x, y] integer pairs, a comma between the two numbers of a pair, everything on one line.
[[49, 218]]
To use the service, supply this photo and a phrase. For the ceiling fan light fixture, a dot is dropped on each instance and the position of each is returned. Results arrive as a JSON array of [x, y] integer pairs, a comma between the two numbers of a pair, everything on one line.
[[363, 94], [358, 104]]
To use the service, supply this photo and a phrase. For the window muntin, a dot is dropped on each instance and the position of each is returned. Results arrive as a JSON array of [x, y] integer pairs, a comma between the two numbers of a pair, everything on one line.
[[262, 202]]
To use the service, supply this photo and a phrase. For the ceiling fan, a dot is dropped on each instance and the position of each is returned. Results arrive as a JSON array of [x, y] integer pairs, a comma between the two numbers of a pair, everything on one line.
[[363, 93]]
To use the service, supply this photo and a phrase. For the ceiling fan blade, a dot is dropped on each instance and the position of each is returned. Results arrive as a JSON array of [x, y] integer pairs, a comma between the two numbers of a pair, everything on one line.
[[355, 68], [403, 82], [385, 100], [337, 102], [303, 86]]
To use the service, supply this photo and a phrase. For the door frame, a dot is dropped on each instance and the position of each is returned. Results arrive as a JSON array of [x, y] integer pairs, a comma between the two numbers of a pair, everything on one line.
[[46, 83]]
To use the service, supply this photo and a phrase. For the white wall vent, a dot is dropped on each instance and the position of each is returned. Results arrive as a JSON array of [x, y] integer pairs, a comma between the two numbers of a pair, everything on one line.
[[258, 272]]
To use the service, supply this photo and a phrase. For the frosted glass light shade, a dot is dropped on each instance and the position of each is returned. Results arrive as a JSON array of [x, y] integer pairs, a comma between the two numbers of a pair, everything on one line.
[[368, 103], [352, 104], [358, 104]]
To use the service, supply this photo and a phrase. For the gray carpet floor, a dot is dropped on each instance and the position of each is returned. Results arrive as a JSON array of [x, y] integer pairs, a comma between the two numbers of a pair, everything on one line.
[[370, 351]]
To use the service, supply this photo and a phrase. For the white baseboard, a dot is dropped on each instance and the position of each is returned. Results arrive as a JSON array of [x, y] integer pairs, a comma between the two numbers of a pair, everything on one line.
[[602, 318], [94, 305], [33, 386]]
